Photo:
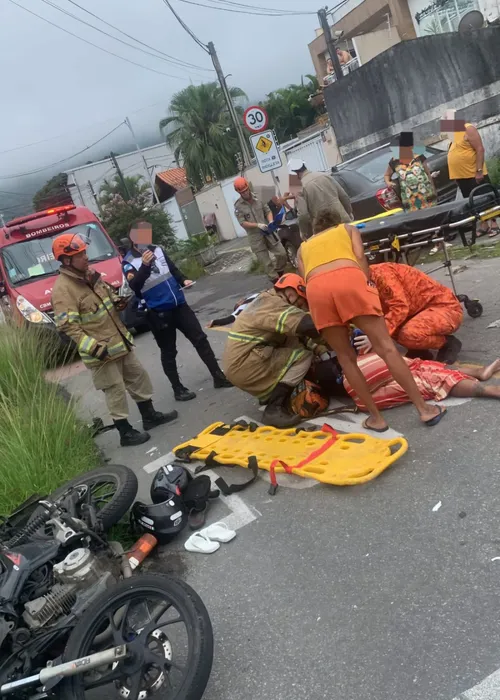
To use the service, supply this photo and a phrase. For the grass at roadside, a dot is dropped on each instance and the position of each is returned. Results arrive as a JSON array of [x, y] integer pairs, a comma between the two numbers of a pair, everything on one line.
[[478, 252], [42, 444]]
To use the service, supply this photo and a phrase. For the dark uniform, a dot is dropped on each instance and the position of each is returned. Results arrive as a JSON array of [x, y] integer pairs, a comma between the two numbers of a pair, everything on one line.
[[160, 286]]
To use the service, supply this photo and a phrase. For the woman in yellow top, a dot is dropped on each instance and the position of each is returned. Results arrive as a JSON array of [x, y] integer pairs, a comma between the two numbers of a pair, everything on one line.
[[339, 292], [466, 165]]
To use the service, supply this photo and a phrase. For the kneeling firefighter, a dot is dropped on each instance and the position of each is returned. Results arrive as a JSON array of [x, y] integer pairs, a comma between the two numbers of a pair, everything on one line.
[[266, 353], [153, 277]]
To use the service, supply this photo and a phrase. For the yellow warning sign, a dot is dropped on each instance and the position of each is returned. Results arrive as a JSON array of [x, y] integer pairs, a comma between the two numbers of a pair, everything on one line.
[[264, 145]]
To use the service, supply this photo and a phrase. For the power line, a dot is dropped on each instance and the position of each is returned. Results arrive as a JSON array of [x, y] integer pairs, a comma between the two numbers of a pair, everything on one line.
[[97, 29], [63, 160], [86, 41], [262, 12], [185, 27], [173, 58]]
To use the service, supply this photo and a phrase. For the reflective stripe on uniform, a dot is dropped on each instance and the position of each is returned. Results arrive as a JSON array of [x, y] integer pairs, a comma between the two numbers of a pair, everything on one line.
[[295, 355], [280, 325], [100, 312], [86, 345], [243, 338]]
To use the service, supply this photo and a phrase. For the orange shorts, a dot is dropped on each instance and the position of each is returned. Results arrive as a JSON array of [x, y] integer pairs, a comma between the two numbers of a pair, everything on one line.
[[337, 296]]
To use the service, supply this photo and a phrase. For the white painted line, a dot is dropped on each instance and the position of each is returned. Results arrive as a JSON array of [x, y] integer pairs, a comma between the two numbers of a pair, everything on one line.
[[488, 689], [241, 514], [157, 463], [437, 506]]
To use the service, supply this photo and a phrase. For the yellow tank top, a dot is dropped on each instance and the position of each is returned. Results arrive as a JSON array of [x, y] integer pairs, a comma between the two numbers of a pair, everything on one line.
[[462, 158], [332, 244]]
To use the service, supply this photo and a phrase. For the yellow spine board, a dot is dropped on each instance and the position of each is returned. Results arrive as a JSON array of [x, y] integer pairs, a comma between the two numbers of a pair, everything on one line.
[[353, 459]]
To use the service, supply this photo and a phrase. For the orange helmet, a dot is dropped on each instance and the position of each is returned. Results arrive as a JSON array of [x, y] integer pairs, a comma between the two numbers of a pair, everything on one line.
[[240, 184], [294, 282], [67, 244]]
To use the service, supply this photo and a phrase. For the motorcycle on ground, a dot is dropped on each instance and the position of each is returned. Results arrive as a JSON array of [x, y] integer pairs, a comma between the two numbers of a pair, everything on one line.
[[75, 623]]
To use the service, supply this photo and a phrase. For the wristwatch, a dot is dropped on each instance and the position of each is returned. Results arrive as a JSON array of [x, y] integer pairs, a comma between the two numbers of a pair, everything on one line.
[[479, 170]]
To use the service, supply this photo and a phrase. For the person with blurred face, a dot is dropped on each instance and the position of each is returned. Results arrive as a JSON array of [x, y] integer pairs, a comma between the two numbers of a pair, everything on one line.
[[266, 353], [255, 216], [87, 310]]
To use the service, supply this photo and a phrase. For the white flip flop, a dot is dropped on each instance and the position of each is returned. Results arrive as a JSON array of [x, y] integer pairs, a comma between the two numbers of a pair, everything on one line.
[[199, 542], [218, 532]]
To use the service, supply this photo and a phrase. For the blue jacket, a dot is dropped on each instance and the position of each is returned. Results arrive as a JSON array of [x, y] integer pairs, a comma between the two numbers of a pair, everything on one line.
[[159, 284]]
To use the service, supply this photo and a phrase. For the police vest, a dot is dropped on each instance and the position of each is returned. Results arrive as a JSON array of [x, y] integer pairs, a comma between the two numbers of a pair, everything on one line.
[[161, 290]]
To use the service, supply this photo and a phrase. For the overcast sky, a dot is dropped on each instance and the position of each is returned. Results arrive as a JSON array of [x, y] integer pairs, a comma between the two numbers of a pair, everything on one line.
[[54, 85]]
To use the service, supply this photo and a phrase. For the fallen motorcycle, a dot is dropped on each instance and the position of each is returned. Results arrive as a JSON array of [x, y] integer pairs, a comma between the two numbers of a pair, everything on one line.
[[74, 622]]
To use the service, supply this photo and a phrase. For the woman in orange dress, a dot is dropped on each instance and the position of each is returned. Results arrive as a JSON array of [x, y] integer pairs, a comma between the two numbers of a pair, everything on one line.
[[340, 292]]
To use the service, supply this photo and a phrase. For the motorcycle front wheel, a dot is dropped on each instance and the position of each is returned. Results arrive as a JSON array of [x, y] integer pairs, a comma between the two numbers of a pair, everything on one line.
[[168, 634]]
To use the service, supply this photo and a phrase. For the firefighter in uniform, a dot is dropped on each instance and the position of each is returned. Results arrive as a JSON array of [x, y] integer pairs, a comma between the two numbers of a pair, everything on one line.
[[153, 277], [267, 351], [87, 310], [255, 216]]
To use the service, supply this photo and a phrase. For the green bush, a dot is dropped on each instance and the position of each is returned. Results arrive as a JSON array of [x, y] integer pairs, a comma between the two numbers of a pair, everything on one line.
[[42, 444], [493, 165]]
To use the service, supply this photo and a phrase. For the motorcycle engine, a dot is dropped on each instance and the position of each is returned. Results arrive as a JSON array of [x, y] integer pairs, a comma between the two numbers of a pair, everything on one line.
[[79, 571]]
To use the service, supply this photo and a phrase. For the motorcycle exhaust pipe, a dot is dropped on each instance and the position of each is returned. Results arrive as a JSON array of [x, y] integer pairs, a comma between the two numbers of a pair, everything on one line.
[[70, 668]]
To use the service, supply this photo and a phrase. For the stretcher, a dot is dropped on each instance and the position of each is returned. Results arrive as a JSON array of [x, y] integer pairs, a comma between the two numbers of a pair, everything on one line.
[[339, 459], [398, 234]]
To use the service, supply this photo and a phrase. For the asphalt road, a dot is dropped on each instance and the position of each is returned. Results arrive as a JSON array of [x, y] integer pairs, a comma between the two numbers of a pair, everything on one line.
[[354, 592]]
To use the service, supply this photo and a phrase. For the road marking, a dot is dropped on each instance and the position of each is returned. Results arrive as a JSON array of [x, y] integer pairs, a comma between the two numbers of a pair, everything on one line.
[[159, 462], [488, 689]]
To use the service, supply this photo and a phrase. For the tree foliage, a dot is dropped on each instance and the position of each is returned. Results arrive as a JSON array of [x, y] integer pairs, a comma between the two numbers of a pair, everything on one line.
[[200, 130], [54, 193], [289, 108], [122, 206]]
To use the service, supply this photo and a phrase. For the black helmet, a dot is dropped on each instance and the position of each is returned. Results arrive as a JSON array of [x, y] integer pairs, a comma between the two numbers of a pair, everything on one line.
[[163, 520], [169, 480]]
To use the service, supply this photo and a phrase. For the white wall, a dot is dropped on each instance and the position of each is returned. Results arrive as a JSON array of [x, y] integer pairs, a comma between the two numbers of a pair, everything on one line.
[[212, 201], [367, 46], [159, 157], [172, 208]]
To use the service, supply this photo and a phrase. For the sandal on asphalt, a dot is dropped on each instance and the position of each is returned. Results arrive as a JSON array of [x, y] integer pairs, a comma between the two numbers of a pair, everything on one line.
[[434, 421], [198, 542], [219, 532], [493, 232], [374, 430], [197, 518]]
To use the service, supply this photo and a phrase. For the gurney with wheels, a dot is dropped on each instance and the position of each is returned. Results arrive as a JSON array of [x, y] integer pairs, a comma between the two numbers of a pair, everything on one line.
[[399, 235]]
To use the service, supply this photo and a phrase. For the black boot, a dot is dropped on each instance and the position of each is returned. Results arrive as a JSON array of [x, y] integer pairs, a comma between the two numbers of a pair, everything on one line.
[[276, 412], [152, 418], [183, 394], [221, 381], [129, 437], [449, 352]]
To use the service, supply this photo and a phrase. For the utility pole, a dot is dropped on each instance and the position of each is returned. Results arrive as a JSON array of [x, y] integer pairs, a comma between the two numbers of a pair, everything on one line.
[[148, 173], [120, 174], [92, 192], [245, 152], [330, 43]]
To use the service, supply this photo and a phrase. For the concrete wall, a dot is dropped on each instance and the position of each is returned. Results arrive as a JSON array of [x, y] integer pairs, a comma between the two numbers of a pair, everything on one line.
[[367, 46], [178, 225], [212, 201], [409, 87]]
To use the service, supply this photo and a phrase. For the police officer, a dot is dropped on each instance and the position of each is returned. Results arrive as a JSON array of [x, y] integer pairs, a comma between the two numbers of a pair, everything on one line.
[[153, 277], [255, 216]]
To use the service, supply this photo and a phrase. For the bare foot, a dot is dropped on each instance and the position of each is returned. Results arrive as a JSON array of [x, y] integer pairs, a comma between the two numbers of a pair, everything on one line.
[[376, 424], [490, 370], [430, 412]]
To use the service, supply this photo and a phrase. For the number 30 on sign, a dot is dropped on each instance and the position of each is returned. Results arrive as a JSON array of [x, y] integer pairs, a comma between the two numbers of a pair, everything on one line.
[[255, 119]]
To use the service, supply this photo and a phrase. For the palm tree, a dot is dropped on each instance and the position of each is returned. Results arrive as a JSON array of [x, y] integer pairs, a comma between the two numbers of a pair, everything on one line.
[[130, 188], [201, 132], [289, 109]]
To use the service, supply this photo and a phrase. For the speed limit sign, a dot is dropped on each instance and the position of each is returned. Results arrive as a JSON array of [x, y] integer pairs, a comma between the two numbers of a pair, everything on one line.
[[255, 119]]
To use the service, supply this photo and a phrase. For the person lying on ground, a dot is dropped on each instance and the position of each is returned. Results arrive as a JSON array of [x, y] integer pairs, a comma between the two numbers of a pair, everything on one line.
[[267, 353], [435, 381], [340, 292], [240, 306]]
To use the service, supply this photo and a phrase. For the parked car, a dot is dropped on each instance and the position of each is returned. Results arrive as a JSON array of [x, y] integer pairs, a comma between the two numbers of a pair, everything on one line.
[[363, 180]]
